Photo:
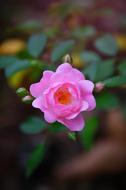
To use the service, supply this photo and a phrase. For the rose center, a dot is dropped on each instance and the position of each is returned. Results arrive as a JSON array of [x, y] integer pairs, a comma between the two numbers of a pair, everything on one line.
[[63, 96]]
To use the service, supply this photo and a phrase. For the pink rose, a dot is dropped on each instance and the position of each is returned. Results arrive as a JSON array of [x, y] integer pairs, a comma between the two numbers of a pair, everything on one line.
[[63, 95]]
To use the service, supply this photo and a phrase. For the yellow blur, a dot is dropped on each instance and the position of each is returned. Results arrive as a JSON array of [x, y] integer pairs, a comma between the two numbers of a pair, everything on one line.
[[12, 46], [77, 61], [16, 80], [121, 41]]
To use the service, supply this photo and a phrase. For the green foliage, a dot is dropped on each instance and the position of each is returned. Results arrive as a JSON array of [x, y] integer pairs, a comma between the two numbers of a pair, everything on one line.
[[33, 125], [106, 100], [122, 67], [51, 32], [84, 32], [72, 136], [24, 54], [88, 134], [91, 71], [107, 45], [17, 65], [57, 127], [36, 44], [105, 69], [35, 159], [29, 25], [5, 61], [61, 49], [100, 70], [115, 81], [90, 56]]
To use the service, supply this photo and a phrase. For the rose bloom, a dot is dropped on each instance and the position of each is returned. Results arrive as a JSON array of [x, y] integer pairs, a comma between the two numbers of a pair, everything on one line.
[[63, 95]]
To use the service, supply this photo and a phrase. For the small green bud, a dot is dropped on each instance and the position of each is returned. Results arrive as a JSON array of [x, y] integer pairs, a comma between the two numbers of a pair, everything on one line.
[[27, 99], [22, 92]]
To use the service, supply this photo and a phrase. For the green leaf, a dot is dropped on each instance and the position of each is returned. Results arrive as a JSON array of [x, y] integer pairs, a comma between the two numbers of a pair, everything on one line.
[[90, 56], [107, 100], [17, 65], [88, 134], [61, 49], [57, 127], [36, 44], [35, 159], [72, 136], [107, 45], [122, 67], [105, 69], [24, 54], [33, 125], [5, 61], [91, 71], [29, 25], [51, 32], [99, 71], [84, 32], [115, 81]]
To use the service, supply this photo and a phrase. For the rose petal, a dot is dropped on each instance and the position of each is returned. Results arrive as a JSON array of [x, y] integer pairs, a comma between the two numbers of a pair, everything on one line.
[[76, 124], [49, 117], [36, 89], [84, 106], [72, 116], [37, 103], [40, 103], [70, 77], [77, 74], [86, 86], [91, 102], [66, 67]]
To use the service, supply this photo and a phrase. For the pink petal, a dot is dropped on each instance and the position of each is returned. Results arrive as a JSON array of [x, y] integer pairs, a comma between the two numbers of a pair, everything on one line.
[[72, 116], [47, 74], [76, 124], [40, 103], [37, 103], [49, 117], [86, 86], [36, 89], [84, 106], [67, 77], [91, 102], [78, 75], [66, 67]]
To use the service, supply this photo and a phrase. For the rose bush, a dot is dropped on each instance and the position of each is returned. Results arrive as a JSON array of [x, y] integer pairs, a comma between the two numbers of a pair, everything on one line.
[[63, 95]]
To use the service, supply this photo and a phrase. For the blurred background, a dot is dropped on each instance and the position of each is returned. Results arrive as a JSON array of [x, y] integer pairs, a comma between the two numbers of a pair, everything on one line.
[[34, 36]]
